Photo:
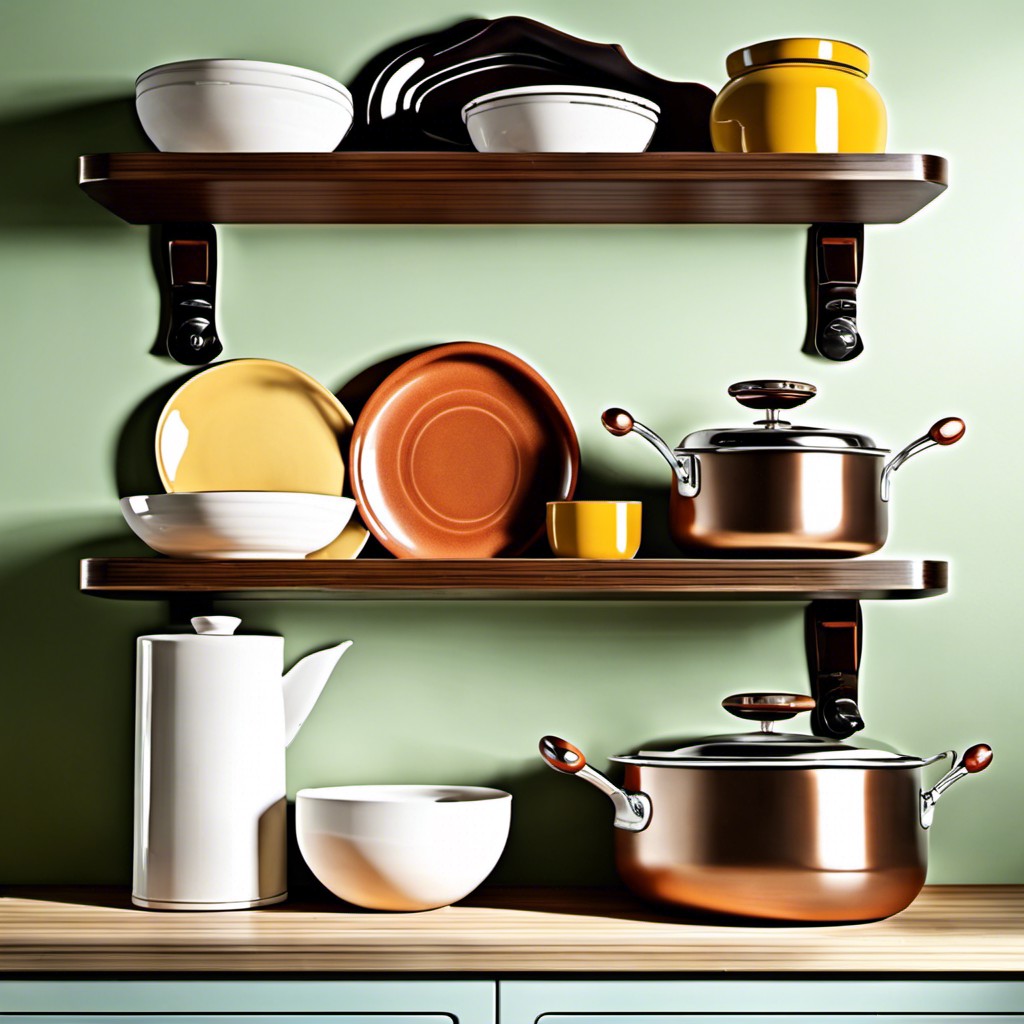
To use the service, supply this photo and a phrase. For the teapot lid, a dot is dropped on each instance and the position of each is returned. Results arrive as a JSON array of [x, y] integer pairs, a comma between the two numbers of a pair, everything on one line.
[[774, 396], [215, 625]]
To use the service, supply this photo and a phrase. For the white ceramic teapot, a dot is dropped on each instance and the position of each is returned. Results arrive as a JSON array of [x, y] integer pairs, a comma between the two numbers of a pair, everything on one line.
[[214, 714]]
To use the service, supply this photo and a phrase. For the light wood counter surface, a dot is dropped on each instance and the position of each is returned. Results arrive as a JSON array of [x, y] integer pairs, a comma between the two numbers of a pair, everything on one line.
[[969, 929]]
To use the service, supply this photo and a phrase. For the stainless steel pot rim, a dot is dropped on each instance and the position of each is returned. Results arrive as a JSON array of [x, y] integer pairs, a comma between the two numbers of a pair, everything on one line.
[[803, 449], [839, 759], [778, 434]]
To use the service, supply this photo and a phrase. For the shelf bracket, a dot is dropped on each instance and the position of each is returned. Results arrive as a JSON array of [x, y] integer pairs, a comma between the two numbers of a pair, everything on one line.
[[185, 258], [835, 259], [834, 632]]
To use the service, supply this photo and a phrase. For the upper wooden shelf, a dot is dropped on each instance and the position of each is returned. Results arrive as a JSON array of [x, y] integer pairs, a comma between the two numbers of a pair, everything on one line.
[[522, 188], [519, 578], [947, 929]]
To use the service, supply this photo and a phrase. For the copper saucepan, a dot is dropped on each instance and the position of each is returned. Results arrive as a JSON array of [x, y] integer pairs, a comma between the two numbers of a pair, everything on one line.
[[782, 827], [775, 490]]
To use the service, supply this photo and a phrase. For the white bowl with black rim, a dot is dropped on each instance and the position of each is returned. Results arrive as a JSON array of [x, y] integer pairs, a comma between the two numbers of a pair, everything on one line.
[[560, 119], [242, 106]]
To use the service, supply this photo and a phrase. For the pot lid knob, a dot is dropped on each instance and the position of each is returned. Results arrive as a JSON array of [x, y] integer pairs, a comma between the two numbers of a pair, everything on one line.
[[767, 707], [772, 394], [215, 625]]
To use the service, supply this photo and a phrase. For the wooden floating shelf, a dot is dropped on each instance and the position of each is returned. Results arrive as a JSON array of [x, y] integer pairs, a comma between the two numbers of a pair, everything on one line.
[[521, 188], [519, 578]]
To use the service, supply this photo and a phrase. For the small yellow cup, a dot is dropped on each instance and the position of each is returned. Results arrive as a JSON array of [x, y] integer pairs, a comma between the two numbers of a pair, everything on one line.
[[594, 529]]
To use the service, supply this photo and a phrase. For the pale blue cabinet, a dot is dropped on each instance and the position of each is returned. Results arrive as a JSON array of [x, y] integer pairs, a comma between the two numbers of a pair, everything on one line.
[[649, 1001], [632, 1001], [248, 1002]]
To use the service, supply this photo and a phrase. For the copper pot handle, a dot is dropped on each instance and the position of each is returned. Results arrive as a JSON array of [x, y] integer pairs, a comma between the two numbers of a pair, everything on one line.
[[632, 810], [686, 468], [945, 432], [975, 759]]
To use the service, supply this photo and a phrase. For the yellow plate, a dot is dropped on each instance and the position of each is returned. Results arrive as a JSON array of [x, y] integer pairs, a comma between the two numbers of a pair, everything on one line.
[[257, 425]]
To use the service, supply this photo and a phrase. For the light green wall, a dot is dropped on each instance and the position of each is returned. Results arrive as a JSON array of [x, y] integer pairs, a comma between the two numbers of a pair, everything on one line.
[[657, 319]]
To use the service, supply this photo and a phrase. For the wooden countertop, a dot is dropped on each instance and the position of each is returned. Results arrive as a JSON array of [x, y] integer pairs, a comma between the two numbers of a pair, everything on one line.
[[948, 929]]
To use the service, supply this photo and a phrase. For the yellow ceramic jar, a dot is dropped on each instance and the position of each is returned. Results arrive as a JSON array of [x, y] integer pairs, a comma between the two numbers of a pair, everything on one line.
[[798, 96], [594, 529]]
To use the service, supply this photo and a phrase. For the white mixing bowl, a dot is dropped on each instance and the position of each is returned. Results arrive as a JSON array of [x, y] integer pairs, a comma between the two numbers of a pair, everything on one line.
[[402, 847], [560, 119], [237, 524], [241, 106]]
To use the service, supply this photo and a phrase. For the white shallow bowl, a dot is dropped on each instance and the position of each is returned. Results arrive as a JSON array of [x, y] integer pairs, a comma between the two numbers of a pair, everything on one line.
[[237, 524], [238, 106], [402, 847], [560, 119]]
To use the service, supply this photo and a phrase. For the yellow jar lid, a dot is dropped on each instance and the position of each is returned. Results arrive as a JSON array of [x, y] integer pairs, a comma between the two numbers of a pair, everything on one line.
[[779, 51]]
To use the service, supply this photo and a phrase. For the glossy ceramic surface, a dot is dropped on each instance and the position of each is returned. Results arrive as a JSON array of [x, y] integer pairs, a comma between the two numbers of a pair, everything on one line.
[[226, 106], [799, 96], [210, 827], [402, 847], [560, 119], [457, 453], [257, 425], [237, 524], [594, 529], [413, 93]]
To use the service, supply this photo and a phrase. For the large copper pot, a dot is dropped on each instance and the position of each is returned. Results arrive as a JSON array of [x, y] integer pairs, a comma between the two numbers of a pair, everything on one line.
[[781, 827], [774, 490]]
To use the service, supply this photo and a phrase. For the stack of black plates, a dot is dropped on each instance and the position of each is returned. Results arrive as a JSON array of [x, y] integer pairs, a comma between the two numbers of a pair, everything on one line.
[[410, 96]]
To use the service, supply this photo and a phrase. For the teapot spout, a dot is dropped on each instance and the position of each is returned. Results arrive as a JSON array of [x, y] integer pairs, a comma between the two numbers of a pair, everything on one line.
[[303, 685]]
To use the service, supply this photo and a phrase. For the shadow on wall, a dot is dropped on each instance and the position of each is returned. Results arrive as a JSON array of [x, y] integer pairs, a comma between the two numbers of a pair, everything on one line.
[[41, 170], [68, 707]]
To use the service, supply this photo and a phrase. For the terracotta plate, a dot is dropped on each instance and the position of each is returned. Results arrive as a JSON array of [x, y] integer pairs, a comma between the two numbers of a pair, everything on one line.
[[457, 453], [257, 425]]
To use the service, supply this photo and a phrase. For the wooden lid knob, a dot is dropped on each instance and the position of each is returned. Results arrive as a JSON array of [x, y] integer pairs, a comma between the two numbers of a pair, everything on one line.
[[767, 707], [772, 394]]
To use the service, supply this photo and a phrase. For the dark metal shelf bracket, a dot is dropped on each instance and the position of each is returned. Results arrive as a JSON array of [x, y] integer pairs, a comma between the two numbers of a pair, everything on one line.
[[835, 260], [834, 632], [185, 258]]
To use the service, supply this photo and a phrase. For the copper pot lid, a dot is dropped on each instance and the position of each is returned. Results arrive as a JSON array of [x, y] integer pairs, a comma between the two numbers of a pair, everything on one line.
[[767, 748], [773, 432]]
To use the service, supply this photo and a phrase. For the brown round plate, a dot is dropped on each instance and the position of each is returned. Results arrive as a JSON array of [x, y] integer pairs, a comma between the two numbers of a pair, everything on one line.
[[457, 453]]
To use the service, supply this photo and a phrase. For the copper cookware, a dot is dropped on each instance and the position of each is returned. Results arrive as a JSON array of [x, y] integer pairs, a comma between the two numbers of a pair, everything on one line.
[[776, 490], [782, 827]]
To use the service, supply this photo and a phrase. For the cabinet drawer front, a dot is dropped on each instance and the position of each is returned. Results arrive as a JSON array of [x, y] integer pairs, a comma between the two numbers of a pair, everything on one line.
[[778, 1018], [746, 1001], [229, 1018]]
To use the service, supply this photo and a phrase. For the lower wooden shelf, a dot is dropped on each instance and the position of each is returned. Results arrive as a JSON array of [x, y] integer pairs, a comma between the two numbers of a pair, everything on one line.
[[519, 578], [978, 929]]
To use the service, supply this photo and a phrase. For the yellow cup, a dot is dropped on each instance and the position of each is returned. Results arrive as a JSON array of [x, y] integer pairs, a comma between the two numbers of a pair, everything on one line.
[[594, 529]]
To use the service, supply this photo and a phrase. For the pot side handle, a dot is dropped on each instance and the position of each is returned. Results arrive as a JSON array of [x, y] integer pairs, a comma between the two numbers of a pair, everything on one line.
[[945, 432], [632, 810], [686, 468], [974, 760]]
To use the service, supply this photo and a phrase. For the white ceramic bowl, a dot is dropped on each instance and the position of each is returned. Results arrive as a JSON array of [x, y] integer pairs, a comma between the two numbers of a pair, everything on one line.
[[402, 847], [237, 524], [560, 119], [241, 106]]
